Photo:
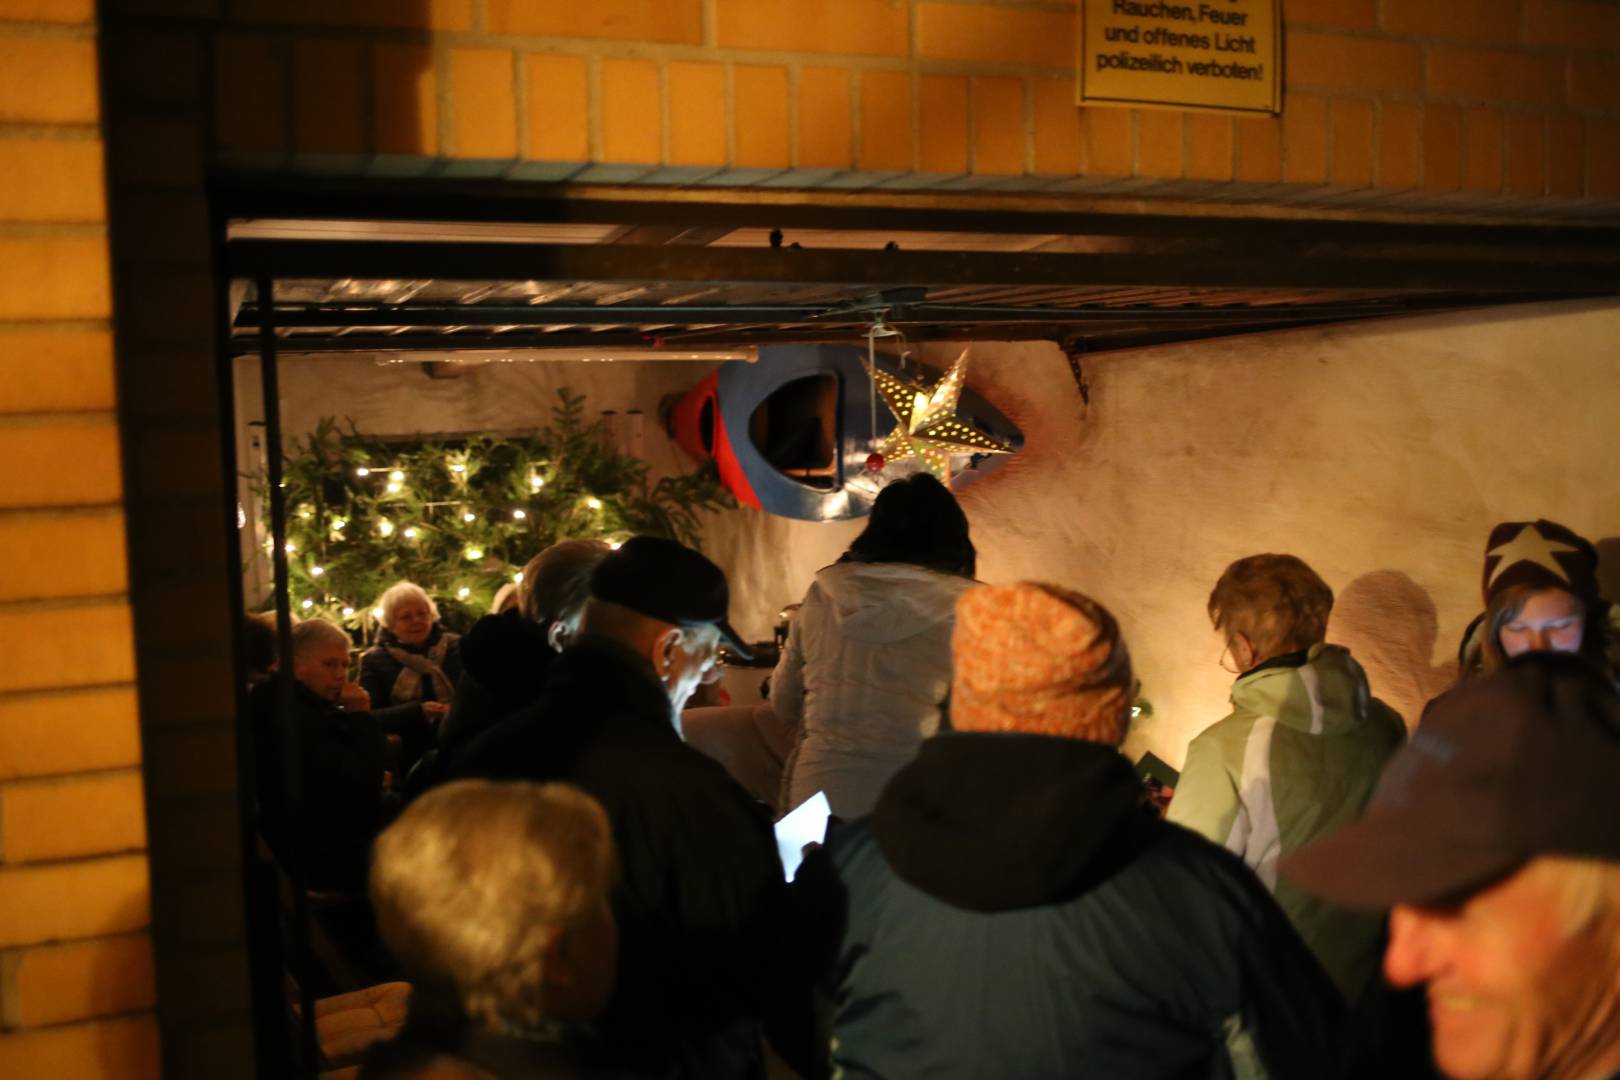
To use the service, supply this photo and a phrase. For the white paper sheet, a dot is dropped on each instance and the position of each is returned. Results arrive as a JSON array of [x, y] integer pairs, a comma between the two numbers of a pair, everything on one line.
[[804, 824]]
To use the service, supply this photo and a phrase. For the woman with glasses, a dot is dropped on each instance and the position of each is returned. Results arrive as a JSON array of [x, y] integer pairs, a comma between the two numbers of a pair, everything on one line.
[[1300, 752]]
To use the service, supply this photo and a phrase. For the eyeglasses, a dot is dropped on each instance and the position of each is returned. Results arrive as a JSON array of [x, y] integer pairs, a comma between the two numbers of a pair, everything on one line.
[[1228, 664]]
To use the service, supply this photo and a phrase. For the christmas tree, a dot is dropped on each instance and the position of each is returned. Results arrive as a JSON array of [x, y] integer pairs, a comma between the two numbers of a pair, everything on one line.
[[461, 518]]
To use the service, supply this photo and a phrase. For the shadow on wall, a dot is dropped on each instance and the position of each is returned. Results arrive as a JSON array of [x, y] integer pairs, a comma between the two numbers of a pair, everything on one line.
[[1608, 550], [1391, 625]]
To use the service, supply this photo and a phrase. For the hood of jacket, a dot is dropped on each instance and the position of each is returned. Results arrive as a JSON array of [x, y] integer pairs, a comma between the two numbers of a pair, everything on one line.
[[882, 603], [996, 821], [1322, 691]]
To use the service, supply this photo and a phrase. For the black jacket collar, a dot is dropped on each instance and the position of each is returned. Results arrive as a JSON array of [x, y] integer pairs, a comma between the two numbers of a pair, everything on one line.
[[598, 682]]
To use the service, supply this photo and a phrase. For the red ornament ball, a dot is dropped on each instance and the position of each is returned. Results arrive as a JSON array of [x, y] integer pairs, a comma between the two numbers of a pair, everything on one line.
[[874, 462]]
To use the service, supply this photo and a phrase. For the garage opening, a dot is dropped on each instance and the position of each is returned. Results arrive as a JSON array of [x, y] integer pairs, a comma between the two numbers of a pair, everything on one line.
[[432, 382]]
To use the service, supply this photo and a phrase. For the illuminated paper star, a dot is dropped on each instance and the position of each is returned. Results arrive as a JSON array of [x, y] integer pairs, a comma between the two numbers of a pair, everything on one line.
[[1529, 546], [926, 424]]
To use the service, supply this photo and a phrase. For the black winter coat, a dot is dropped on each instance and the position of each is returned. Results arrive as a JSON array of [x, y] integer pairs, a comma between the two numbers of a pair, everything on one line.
[[504, 661], [1014, 912], [702, 907], [342, 804]]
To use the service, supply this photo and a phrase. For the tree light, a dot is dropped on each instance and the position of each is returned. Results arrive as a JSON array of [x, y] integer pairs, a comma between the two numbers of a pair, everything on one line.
[[411, 533], [536, 481], [458, 468], [377, 613], [397, 476], [362, 471], [316, 571], [463, 592], [615, 544], [474, 553], [593, 503], [348, 611], [469, 517], [290, 547], [385, 527], [307, 604], [519, 515], [518, 577], [394, 487]]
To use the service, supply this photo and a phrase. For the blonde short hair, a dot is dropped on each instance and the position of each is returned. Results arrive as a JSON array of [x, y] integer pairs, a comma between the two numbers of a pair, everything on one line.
[[557, 582], [1276, 601], [397, 594], [476, 878]]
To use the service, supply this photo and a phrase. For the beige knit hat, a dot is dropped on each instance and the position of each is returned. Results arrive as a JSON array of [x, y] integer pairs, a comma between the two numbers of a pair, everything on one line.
[[1039, 659]]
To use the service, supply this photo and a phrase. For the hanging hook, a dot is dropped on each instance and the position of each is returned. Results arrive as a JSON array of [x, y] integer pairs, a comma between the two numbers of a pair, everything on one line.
[[1073, 350]]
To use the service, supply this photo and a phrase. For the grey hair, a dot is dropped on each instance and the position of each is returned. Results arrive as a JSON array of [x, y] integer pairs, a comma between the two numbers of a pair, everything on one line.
[[701, 636], [397, 594], [311, 634]]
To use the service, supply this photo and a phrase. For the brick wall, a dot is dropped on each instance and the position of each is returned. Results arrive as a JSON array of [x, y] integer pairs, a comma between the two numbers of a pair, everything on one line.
[[1517, 98], [76, 965]]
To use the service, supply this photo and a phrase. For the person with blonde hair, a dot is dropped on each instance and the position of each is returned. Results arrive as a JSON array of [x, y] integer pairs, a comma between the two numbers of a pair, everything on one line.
[[1299, 753], [1014, 909], [494, 900], [1492, 839]]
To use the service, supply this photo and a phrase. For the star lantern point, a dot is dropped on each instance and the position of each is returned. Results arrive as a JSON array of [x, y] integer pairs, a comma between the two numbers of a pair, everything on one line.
[[926, 424]]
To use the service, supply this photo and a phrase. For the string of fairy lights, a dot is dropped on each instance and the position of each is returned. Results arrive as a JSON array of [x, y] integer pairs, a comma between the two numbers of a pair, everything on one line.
[[386, 528], [462, 519]]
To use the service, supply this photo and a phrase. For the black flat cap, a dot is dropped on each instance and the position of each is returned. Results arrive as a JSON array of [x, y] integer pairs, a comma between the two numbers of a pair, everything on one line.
[[667, 581]]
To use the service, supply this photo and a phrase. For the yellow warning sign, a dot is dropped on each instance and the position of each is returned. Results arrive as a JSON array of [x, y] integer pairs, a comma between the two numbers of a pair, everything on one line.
[[1208, 54]]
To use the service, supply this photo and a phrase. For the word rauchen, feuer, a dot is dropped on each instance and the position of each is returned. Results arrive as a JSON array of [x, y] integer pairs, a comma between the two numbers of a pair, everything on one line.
[[1158, 9]]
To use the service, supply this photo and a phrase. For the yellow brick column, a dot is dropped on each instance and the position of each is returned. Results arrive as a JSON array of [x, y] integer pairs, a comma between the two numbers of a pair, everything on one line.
[[76, 973]]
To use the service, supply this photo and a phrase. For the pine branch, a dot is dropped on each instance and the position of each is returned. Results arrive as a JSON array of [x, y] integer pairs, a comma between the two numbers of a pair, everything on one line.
[[463, 516]]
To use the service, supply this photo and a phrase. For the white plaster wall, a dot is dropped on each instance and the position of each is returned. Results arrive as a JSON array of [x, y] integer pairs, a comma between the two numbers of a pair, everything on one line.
[[1381, 453], [400, 399]]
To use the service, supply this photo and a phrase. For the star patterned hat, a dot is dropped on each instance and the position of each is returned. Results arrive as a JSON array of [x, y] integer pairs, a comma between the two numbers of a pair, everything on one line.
[[1542, 554]]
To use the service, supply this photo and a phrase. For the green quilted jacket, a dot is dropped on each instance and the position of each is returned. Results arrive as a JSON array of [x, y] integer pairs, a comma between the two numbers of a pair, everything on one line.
[[1299, 755]]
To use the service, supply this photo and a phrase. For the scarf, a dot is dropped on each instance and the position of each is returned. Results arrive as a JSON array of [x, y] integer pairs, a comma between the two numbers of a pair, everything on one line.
[[415, 666]]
